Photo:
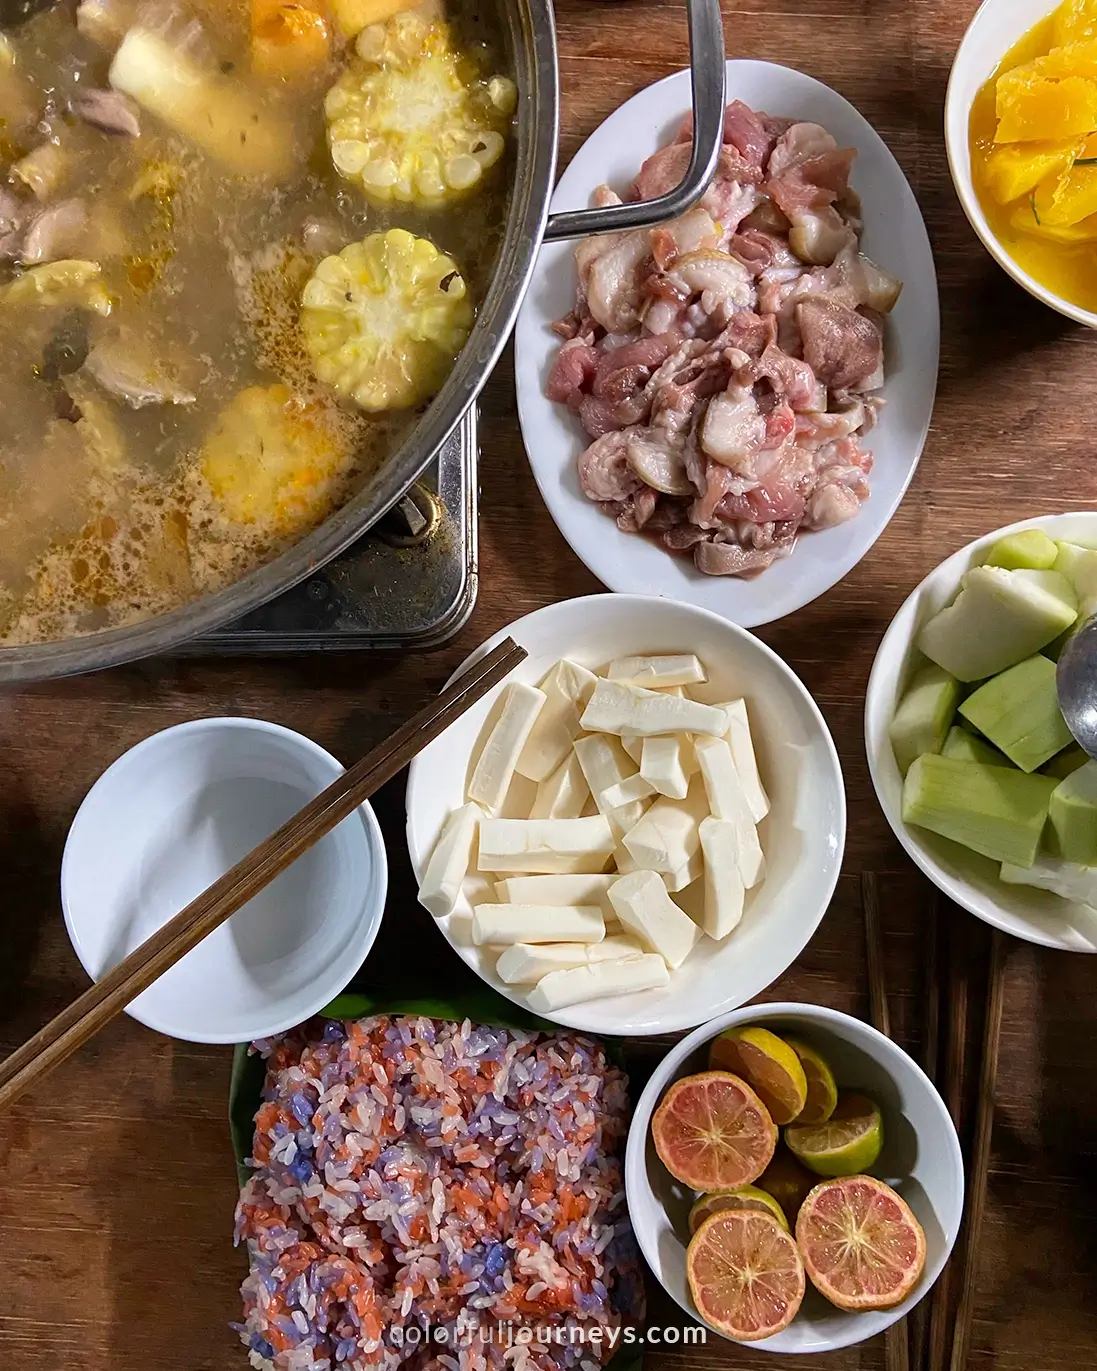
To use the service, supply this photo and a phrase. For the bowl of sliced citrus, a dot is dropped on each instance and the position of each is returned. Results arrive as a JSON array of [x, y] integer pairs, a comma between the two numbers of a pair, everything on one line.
[[793, 1178]]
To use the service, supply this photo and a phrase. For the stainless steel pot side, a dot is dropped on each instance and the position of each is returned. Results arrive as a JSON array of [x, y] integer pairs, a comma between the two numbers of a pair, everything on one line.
[[532, 40]]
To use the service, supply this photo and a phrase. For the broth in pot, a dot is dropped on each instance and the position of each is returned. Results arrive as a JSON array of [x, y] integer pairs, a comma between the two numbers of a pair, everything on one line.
[[241, 245]]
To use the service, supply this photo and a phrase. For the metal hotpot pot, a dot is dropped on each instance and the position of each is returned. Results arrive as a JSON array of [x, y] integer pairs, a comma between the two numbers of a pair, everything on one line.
[[532, 41]]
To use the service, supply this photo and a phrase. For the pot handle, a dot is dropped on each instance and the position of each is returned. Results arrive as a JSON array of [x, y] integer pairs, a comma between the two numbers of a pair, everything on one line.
[[706, 49]]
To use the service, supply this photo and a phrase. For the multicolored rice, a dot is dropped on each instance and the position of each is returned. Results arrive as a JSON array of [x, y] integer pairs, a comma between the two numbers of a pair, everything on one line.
[[421, 1187]]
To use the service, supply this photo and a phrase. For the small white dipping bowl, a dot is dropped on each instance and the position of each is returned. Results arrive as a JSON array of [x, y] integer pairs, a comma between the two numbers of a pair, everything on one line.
[[803, 836], [965, 877], [997, 26], [175, 813], [921, 1160]]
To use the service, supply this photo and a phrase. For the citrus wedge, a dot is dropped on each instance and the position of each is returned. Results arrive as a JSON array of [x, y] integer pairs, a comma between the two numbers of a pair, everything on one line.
[[848, 1143], [822, 1093], [862, 1246], [744, 1197], [712, 1132], [768, 1063], [746, 1275], [787, 1181]]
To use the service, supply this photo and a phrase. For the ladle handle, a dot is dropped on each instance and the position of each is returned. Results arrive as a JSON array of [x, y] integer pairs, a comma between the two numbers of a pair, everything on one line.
[[706, 53]]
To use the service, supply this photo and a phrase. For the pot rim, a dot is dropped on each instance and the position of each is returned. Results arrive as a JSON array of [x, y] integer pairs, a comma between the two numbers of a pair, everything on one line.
[[532, 42]]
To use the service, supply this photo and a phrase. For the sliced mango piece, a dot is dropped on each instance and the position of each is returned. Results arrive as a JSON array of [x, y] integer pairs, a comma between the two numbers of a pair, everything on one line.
[[1074, 21], [1046, 111], [1024, 220], [1015, 169], [1064, 200], [1075, 59]]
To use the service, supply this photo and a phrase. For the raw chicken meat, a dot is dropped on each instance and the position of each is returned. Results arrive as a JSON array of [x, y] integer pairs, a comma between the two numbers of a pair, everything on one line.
[[722, 364]]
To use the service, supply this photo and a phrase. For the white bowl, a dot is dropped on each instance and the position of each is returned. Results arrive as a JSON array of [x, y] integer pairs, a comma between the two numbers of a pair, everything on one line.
[[175, 813], [895, 235], [997, 26], [921, 1160], [803, 835], [965, 877]]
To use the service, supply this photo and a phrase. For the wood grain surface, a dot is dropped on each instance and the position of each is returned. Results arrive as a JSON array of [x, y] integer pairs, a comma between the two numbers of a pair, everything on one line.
[[116, 1178]]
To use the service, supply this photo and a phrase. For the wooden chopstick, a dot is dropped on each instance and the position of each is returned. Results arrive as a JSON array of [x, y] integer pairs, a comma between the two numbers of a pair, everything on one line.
[[874, 949], [89, 1013], [931, 1054], [980, 1153], [897, 1337], [953, 1071]]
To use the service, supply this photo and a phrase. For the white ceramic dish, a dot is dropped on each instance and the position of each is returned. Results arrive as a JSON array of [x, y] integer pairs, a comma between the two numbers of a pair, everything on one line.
[[173, 814], [921, 1159], [997, 26], [965, 877], [803, 835], [895, 235]]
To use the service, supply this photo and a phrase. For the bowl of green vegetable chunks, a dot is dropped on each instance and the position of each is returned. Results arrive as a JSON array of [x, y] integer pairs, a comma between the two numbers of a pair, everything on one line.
[[971, 759]]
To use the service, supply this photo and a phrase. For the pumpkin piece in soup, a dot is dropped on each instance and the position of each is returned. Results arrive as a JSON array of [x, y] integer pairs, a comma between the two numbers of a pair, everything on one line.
[[1016, 169], [1044, 111], [276, 461], [289, 41]]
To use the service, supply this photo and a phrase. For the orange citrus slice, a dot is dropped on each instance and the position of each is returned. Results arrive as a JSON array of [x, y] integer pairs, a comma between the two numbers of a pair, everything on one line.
[[744, 1197], [768, 1063], [712, 1132], [862, 1246], [745, 1275]]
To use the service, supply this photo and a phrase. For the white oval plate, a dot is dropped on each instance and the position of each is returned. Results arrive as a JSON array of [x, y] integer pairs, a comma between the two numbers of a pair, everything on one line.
[[895, 236]]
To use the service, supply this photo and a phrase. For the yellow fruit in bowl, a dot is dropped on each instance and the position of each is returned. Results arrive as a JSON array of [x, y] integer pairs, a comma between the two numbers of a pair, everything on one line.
[[1075, 20], [1079, 59], [1068, 198], [1016, 169], [1042, 110], [1024, 220]]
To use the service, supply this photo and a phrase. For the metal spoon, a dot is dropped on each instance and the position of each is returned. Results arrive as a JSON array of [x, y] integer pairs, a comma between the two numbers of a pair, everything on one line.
[[1076, 681]]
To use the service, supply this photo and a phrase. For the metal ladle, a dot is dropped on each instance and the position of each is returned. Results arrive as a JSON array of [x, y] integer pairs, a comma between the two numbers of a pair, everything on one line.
[[1076, 681]]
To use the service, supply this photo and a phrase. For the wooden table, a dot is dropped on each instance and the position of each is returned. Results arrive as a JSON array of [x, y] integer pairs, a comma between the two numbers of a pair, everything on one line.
[[116, 1179]]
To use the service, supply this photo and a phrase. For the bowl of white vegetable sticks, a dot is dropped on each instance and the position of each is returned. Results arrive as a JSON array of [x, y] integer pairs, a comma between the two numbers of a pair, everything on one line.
[[641, 828]]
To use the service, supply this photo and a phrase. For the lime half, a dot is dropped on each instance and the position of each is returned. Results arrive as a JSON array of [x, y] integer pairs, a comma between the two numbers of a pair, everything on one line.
[[846, 1145], [822, 1093], [744, 1197]]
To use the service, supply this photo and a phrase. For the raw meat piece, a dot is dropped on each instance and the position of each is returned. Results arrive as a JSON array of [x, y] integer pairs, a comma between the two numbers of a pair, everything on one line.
[[843, 347], [722, 364]]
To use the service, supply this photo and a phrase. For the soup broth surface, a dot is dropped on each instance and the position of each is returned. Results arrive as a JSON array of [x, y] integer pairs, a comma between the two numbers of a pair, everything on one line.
[[115, 506]]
